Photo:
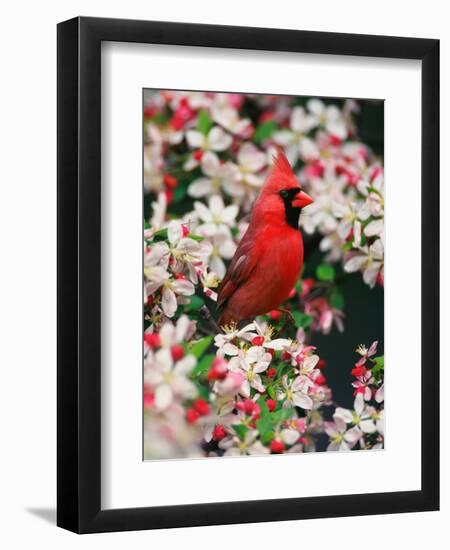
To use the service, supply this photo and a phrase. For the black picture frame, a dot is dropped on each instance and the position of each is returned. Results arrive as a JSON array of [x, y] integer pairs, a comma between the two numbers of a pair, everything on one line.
[[79, 275]]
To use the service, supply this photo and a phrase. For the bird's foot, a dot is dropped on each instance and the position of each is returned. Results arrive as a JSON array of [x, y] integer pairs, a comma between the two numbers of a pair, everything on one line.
[[289, 316], [289, 319]]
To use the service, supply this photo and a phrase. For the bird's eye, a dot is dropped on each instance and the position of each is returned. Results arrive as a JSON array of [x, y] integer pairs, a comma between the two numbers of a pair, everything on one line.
[[284, 193]]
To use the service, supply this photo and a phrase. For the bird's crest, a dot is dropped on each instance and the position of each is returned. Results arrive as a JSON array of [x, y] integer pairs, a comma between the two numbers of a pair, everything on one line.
[[282, 165], [281, 176]]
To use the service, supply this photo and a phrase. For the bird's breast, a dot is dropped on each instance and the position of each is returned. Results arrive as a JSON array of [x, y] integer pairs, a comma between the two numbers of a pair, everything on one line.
[[278, 269]]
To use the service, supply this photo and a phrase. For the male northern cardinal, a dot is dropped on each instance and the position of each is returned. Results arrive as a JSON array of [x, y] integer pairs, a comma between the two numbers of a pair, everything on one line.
[[269, 258]]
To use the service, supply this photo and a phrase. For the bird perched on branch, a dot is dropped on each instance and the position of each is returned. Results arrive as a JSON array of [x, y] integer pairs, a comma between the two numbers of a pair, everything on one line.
[[269, 258]]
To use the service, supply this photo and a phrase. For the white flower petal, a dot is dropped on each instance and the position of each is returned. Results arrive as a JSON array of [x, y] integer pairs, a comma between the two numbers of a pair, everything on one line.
[[353, 434], [183, 287], [218, 139], [251, 158], [175, 232], [195, 139], [200, 187], [163, 396], [289, 436], [367, 426], [374, 227], [169, 302], [355, 263], [203, 211], [302, 400], [316, 106], [210, 164]]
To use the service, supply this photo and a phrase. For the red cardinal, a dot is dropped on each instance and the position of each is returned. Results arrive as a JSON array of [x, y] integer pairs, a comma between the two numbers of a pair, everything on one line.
[[269, 258]]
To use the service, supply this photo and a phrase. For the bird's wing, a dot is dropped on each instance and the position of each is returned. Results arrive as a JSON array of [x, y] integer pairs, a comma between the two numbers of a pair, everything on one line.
[[243, 263]]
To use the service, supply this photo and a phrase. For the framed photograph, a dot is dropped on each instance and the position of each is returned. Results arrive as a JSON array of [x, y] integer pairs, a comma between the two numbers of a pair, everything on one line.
[[248, 275]]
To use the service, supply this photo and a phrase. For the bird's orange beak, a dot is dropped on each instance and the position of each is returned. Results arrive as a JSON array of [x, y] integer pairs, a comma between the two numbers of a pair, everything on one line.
[[301, 200]]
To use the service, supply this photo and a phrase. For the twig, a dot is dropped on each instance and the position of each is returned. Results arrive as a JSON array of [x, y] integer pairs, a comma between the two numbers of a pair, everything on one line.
[[206, 314], [288, 320]]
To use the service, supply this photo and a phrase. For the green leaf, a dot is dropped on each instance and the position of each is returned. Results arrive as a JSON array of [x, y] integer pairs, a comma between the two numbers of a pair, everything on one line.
[[240, 430], [337, 298], [301, 319], [161, 235], [263, 406], [325, 272], [264, 425], [180, 192], [199, 348], [195, 303], [265, 131], [160, 118], [203, 366], [379, 364], [197, 238], [267, 437], [271, 391], [282, 415], [348, 245], [204, 122], [203, 391]]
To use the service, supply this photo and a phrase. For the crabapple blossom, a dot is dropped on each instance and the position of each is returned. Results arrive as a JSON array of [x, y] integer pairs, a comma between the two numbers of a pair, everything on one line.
[[228, 118], [250, 445], [329, 117], [216, 140], [369, 260], [294, 139], [217, 175], [341, 438], [169, 380], [295, 392], [252, 363], [216, 216], [250, 161]]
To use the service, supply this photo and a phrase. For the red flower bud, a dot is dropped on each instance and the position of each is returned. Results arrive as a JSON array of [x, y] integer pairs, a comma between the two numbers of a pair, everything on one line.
[[271, 372], [248, 406], [191, 415], [271, 404], [152, 339], [321, 364], [307, 285], [177, 352], [201, 406], [335, 140], [277, 446], [320, 380], [219, 432], [149, 398], [198, 155], [170, 181], [286, 356], [380, 279], [275, 315], [218, 370], [258, 340], [359, 371], [149, 111]]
